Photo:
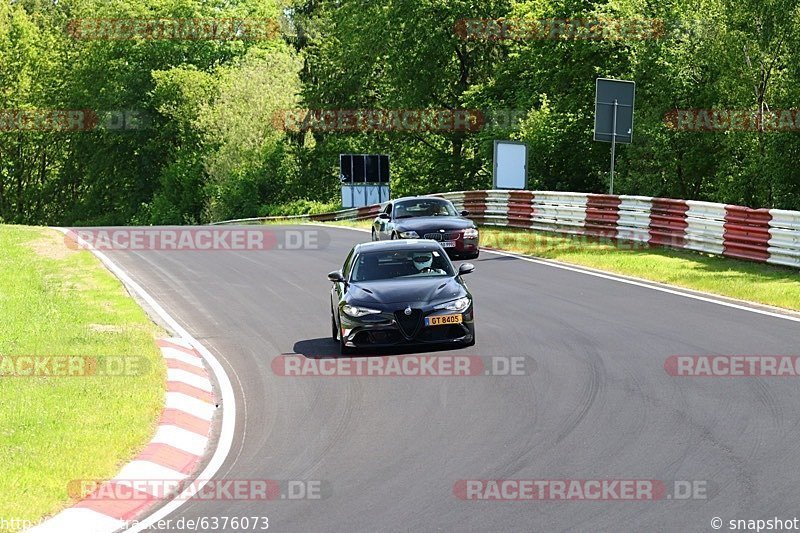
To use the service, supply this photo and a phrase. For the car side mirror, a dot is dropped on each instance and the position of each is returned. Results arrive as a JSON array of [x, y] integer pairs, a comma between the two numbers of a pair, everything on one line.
[[465, 268], [464, 213], [336, 277], [383, 216]]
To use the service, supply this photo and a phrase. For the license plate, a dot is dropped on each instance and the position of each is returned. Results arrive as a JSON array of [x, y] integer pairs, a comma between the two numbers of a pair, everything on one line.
[[448, 244], [443, 320]]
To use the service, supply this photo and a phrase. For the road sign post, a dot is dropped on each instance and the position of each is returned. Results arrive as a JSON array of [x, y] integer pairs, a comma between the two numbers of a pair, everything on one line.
[[613, 115], [613, 145]]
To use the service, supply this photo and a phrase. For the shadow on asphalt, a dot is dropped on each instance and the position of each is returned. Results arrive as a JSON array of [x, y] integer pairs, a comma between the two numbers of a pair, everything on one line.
[[484, 258], [326, 348]]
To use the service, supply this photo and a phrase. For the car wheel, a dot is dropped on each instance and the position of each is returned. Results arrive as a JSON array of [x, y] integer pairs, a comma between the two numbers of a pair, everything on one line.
[[394, 236], [374, 235], [334, 328], [473, 255]]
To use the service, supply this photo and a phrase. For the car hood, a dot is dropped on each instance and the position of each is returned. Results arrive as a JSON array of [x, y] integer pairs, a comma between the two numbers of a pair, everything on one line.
[[433, 223], [408, 291]]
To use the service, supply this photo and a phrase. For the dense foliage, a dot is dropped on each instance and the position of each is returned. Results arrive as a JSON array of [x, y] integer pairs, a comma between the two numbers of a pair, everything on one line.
[[201, 141]]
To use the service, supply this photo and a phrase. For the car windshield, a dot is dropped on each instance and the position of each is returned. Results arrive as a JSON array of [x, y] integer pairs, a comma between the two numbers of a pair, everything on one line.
[[424, 208], [377, 266]]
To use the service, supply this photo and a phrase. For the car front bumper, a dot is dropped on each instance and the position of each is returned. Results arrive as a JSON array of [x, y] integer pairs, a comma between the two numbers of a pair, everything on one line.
[[460, 247], [388, 329]]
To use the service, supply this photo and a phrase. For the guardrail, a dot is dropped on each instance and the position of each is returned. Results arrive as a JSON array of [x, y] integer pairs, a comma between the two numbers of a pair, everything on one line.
[[358, 213], [762, 235]]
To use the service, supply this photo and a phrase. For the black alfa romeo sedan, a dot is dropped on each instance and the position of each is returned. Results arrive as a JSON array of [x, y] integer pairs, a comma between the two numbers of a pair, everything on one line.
[[400, 292]]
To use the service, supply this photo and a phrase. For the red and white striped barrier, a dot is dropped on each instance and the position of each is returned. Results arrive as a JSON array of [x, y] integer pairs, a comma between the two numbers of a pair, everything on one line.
[[771, 236], [762, 235], [559, 211], [173, 455]]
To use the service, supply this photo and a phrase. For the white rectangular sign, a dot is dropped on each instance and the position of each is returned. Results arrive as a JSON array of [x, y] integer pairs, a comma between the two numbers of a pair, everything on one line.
[[510, 165]]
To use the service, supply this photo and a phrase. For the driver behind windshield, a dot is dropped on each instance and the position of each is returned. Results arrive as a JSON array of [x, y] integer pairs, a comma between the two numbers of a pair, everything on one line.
[[424, 263], [422, 209], [392, 265], [438, 209]]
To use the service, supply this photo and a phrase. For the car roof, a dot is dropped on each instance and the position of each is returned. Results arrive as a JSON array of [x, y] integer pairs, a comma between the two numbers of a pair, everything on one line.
[[398, 245]]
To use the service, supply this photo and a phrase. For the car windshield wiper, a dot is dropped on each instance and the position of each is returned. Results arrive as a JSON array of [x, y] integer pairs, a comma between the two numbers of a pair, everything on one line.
[[404, 216]]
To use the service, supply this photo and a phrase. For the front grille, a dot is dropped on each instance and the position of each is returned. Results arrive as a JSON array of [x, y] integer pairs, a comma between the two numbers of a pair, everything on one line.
[[385, 337], [409, 324], [443, 333], [452, 236]]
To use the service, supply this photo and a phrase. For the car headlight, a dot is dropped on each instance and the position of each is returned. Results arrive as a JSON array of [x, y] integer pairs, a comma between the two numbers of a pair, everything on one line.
[[456, 305], [357, 312], [471, 233], [409, 235]]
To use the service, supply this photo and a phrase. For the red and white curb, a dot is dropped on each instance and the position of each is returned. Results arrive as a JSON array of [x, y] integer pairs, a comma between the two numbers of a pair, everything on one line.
[[174, 453]]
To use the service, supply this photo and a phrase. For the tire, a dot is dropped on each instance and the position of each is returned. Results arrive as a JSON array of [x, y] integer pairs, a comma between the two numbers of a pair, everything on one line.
[[474, 255], [334, 328], [394, 236], [374, 236]]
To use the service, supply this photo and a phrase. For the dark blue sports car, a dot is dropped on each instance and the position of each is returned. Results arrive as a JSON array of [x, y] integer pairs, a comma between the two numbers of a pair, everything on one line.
[[425, 217]]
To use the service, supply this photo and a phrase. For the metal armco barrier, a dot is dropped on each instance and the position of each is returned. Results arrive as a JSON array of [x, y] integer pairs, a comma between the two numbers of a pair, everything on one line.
[[667, 222], [746, 233], [784, 242], [602, 215], [761, 235]]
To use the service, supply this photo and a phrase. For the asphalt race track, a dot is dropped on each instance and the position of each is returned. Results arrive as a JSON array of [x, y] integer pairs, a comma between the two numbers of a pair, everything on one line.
[[597, 404]]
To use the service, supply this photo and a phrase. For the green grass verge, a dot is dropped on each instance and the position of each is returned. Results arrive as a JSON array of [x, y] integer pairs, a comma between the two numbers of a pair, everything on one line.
[[364, 224], [57, 301], [743, 280]]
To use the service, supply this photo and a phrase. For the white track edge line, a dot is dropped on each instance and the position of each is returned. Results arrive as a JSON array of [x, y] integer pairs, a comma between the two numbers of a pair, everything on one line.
[[226, 389], [707, 299]]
